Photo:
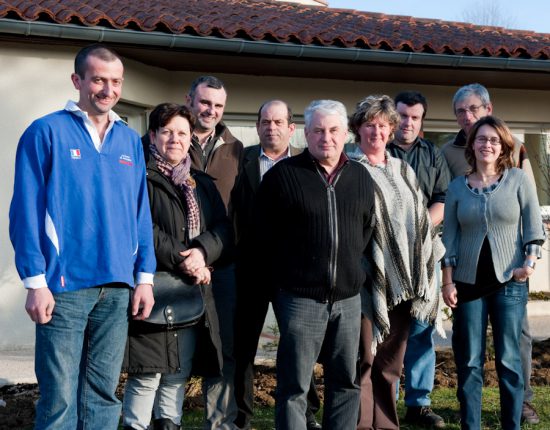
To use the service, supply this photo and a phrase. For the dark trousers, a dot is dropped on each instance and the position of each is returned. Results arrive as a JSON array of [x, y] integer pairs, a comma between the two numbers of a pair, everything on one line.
[[310, 328], [251, 312], [381, 372]]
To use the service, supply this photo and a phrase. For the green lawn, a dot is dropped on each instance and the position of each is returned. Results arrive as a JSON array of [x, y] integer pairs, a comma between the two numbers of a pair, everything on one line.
[[444, 403]]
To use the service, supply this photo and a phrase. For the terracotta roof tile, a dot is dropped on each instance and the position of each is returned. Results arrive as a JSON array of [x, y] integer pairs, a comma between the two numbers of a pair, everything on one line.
[[287, 23]]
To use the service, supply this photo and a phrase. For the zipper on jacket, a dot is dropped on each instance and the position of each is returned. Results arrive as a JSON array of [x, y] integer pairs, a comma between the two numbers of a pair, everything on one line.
[[333, 229], [333, 225]]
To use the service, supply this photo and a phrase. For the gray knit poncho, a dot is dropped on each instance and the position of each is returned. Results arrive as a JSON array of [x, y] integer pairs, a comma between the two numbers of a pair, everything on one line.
[[404, 248]]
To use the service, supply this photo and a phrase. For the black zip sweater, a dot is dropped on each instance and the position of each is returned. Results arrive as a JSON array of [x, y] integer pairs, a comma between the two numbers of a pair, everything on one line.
[[309, 235]]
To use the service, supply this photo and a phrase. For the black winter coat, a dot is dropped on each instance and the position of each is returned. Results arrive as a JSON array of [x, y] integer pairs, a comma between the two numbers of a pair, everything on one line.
[[149, 349]]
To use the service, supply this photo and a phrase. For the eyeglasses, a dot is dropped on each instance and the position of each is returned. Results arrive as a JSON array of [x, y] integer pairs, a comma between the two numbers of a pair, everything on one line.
[[482, 140], [473, 109]]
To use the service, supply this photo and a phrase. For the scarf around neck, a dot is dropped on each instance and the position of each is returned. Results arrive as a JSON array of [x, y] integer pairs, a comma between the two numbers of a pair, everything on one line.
[[180, 176]]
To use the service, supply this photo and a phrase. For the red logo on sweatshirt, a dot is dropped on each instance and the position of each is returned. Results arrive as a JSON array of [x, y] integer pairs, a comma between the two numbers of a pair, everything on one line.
[[125, 159], [75, 154]]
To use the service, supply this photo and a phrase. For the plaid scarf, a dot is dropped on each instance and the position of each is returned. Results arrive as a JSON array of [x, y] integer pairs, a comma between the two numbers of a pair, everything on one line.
[[180, 176]]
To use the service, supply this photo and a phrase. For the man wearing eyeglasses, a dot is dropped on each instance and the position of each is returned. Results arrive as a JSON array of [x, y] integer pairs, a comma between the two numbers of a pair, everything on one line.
[[471, 103]]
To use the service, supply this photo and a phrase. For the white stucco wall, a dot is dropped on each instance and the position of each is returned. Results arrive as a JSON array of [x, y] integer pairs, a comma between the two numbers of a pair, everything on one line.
[[32, 82], [36, 81]]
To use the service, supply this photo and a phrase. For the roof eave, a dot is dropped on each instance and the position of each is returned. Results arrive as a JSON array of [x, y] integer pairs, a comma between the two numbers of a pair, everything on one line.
[[241, 46]]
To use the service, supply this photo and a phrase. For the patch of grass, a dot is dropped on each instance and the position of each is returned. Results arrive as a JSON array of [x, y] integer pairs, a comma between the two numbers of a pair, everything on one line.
[[263, 419], [539, 295], [443, 402]]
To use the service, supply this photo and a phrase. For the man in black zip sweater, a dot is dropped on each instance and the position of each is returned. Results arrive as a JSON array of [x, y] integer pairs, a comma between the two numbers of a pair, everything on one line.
[[313, 227]]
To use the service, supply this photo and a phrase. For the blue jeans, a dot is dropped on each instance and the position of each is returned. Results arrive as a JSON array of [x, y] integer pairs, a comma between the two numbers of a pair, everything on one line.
[[305, 327], [78, 356], [162, 392], [526, 350], [220, 406], [506, 310], [419, 364]]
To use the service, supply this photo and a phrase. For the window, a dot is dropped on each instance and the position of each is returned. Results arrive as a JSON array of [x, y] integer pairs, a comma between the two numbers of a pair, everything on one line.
[[135, 116]]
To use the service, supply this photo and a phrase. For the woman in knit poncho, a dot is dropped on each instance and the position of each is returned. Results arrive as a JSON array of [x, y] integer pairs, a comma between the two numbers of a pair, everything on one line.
[[400, 264], [493, 232]]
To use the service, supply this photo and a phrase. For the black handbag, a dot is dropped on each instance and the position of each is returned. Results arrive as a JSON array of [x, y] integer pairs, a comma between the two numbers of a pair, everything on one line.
[[178, 304]]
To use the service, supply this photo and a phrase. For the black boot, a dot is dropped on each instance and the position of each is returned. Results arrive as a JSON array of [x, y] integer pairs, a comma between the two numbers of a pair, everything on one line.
[[423, 416], [165, 424]]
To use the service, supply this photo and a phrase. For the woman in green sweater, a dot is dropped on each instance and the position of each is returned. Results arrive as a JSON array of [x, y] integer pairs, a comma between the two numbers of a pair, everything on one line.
[[492, 233]]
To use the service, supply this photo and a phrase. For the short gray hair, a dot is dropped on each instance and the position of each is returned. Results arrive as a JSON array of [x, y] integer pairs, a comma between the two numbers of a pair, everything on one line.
[[327, 107], [477, 90]]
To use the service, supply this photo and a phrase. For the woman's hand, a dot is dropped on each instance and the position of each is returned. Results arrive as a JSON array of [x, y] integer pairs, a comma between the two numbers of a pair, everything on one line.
[[521, 274], [194, 259], [449, 294], [202, 276]]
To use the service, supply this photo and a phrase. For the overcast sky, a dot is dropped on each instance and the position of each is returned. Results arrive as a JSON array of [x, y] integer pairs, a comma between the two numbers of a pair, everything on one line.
[[525, 14]]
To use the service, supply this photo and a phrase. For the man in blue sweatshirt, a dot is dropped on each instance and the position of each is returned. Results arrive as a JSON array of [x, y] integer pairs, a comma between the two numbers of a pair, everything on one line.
[[81, 229]]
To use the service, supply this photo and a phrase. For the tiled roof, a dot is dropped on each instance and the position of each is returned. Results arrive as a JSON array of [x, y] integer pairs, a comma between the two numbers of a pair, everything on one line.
[[287, 23]]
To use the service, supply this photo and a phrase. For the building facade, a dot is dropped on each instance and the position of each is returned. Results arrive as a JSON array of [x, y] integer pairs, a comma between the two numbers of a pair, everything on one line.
[[261, 50]]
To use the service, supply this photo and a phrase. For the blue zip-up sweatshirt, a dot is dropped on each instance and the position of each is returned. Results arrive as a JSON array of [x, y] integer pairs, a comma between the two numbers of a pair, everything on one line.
[[79, 216]]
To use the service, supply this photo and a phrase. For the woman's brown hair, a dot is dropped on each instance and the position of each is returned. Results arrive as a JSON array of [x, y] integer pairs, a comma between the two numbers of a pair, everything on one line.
[[163, 113], [505, 159]]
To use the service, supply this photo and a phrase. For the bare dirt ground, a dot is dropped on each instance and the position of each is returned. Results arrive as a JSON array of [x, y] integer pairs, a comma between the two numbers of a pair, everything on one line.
[[18, 412]]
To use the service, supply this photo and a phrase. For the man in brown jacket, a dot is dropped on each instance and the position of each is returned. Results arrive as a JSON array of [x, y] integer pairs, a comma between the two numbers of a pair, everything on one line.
[[217, 152], [214, 149]]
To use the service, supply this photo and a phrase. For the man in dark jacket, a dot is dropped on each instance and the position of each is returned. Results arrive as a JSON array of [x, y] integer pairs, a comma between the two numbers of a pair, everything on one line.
[[275, 128], [433, 176], [215, 151], [315, 211]]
